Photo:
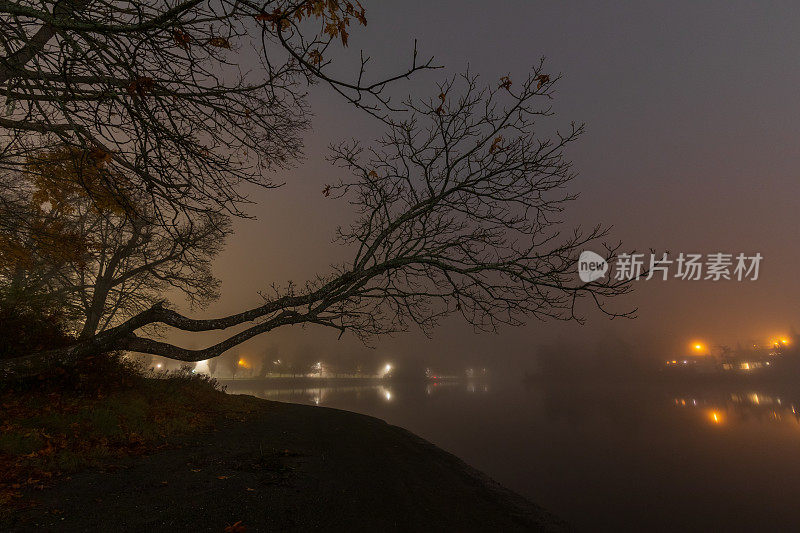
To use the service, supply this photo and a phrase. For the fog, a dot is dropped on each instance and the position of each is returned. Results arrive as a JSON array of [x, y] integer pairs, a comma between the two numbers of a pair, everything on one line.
[[692, 146]]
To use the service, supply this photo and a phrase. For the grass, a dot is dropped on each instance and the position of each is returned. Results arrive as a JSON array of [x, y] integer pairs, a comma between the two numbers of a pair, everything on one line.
[[96, 415]]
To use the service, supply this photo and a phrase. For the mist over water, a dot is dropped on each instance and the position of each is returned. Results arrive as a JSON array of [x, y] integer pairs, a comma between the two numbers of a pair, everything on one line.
[[645, 454], [691, 147]]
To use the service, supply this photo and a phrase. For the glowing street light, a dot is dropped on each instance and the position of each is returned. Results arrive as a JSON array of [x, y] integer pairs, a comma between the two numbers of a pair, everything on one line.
[[698, 348], [779, 342]]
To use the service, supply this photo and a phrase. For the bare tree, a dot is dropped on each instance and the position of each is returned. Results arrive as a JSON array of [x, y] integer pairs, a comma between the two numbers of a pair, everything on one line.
[[457, 211], [188, 98]]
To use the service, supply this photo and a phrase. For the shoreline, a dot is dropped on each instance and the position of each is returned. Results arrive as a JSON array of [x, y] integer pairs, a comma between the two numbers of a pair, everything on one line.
[[333, 380], [290, 467]]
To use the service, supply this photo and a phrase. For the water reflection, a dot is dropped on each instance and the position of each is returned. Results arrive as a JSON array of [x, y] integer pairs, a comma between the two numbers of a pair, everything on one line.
[[319, 395], [327, 393], [742, 406], [642, 456]]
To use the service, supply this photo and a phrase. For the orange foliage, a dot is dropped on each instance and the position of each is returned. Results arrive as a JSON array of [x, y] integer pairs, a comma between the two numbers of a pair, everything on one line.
[[334, 14], [63, 176], [181, 39], [141, 86], [61, 181], [542, 79], [220, 42]]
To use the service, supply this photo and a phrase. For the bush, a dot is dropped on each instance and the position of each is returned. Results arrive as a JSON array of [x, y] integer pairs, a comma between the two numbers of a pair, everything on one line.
[[26, 329]]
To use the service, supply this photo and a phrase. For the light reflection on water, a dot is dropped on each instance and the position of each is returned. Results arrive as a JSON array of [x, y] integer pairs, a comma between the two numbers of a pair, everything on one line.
[[332, 394], [743, 407], [649, 456], [320, 395]]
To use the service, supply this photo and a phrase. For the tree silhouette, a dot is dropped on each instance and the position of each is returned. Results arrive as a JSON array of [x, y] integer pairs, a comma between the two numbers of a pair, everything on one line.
[[458, 206]]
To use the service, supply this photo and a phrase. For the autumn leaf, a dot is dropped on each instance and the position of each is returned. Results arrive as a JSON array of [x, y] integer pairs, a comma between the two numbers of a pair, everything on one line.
[[542, 79], [315, 56], [274, 19], [141, 86], [496, 144], [361, 16], [332, 29], [181, 39], [440, 109], [327, 190], [269, 17], [238, 527], [505, 83], [220, 42]]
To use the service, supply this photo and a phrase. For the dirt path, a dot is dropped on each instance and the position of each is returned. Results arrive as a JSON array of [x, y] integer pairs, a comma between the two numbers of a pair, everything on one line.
[[292, 468]]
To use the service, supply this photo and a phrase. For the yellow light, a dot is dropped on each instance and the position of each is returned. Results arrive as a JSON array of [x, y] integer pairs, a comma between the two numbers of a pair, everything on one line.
[[243, 363], [716, 417]]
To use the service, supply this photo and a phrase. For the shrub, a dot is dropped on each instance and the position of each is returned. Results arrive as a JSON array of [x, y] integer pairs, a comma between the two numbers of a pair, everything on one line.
[[27, 328]]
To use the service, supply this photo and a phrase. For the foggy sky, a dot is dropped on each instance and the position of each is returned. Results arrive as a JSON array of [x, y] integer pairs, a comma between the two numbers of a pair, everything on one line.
[[692, 146]]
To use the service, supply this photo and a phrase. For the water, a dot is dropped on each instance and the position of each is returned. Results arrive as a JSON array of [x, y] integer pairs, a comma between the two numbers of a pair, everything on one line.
[[643, 456]]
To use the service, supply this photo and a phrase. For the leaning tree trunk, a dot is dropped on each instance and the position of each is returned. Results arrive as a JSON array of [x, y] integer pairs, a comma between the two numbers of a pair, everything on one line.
[[124, 338]]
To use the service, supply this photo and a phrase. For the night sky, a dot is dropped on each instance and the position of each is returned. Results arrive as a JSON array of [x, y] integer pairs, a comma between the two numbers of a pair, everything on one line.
[[692, 145]]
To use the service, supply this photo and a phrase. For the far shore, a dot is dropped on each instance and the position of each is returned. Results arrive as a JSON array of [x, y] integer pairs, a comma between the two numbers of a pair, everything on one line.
[[332, 380]]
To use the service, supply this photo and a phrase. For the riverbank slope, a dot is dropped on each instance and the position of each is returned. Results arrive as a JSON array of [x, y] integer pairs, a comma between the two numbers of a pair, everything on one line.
[[287, 467]]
